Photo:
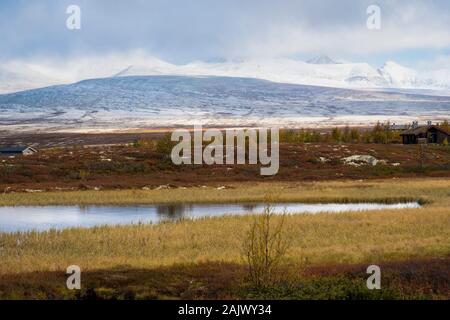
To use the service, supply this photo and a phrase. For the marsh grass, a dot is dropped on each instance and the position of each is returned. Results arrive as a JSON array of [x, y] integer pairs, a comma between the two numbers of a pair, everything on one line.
[[319, 240], [316, 239], [382, 191]]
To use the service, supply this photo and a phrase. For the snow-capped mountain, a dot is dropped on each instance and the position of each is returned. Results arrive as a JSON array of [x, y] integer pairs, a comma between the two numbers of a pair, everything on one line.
[[398, 76], [128, 102], [323, 59], [319, 71], [339, 75]]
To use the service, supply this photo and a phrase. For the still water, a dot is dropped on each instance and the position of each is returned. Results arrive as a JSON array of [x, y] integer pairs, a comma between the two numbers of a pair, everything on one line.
[[44, 218]]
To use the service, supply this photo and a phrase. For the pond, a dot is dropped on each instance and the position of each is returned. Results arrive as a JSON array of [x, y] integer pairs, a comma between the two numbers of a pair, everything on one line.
[[42, 218]]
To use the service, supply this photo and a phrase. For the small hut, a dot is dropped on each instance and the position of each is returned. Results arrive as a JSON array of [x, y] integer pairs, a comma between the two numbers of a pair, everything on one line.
[[16, 150], [431, 133]]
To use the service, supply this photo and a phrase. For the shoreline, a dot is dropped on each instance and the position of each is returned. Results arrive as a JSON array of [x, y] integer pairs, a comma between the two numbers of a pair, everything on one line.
[[376, 191]]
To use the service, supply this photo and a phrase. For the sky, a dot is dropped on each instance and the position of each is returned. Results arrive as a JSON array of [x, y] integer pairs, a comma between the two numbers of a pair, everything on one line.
[[413, 32]]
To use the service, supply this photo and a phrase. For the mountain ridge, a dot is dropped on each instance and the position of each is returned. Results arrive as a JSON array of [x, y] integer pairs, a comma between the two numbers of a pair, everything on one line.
[[127, 102], [325, 72], [322, 59]]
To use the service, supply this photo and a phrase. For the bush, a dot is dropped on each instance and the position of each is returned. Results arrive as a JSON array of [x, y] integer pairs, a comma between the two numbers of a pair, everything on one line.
[[445, 142], [354, 135], [336, 135], [445, 125], [165, 145], [265, 247], [84, 174]]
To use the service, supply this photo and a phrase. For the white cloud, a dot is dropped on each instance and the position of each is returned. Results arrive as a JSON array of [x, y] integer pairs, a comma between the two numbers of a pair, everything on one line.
[[414, 25], [179, 30]]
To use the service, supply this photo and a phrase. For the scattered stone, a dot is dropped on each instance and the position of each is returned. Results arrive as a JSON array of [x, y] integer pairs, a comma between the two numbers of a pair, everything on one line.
[[359, 160], [162, 187], [33, 190], [165, 187], [224, 187], [396, 164], [323, 159]]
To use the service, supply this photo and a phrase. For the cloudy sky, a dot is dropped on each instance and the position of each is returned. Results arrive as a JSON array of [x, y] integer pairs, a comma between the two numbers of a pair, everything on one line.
[[413, 32]]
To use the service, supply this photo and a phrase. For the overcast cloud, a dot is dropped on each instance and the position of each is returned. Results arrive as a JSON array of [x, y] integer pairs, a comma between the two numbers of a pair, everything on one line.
[[180, 31]]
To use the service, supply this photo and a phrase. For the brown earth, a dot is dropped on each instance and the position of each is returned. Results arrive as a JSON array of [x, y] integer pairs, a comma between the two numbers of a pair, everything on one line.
[[123, 165], [426, 278]]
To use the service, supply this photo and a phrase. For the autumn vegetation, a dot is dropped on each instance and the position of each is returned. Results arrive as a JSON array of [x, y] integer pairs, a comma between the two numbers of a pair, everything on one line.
[[210, 258]]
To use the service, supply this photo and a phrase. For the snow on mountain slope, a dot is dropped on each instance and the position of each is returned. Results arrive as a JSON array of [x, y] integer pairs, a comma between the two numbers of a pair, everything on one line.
[[167, 101], [25, 75], [319, 71], [354, 75], [364, 76], [17, 76], [398, 76], [150, 66]]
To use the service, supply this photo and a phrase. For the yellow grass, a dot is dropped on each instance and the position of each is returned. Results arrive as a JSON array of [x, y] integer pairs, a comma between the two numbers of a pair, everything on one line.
[[347, 191], [316, 239]]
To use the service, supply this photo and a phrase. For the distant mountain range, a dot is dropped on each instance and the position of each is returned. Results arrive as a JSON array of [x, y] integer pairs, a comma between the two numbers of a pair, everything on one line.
[[144, 92], [128, 102], [319, 71]]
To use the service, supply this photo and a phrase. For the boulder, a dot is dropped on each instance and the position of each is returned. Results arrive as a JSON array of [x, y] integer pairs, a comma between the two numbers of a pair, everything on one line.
[[359, 160]]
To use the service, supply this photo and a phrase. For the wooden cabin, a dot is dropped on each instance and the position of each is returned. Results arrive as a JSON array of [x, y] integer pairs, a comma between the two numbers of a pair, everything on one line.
[[432, 134], [16, 150]]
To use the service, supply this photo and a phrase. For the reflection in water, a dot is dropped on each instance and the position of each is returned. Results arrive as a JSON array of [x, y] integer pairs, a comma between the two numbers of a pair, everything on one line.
[[249, 207], [172, 211], [14, 219]]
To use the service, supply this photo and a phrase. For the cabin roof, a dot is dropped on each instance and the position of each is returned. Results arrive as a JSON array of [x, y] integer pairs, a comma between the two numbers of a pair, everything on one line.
[[399, 127], [15, 149], [423, 129]]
